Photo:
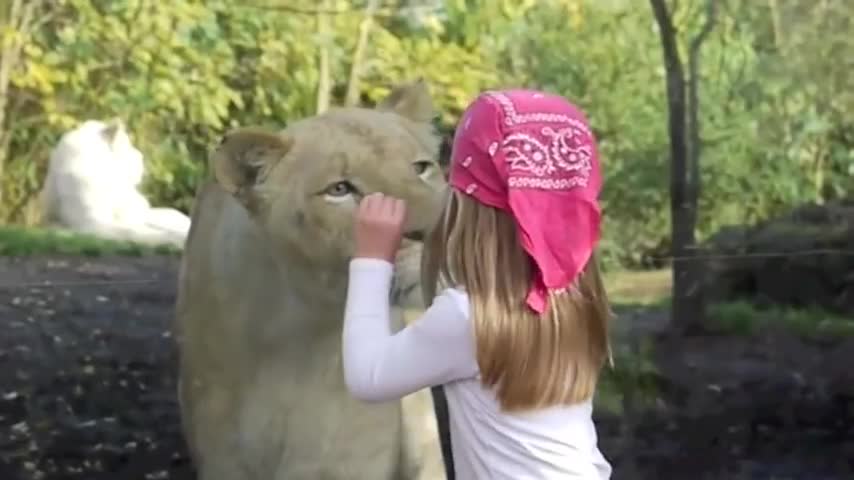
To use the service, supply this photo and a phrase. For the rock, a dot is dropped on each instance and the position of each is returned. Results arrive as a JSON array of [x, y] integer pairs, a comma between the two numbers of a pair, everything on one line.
[[804, 258]]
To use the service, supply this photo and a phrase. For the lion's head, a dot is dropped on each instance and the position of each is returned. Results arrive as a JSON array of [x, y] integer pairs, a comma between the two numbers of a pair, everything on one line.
[[302, 185]]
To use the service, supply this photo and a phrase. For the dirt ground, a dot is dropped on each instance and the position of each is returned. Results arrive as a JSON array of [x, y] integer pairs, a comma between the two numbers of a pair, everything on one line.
[[87, 389]]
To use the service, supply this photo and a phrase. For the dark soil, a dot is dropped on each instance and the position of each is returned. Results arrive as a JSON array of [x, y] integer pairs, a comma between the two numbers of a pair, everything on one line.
[[87, 370], [87, 389]]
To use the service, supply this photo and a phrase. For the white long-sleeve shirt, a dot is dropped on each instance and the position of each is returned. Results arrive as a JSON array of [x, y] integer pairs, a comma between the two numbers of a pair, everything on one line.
[[439, 349]]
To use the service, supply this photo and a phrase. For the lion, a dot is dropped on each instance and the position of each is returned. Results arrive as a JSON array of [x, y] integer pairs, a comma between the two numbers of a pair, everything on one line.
[[261, 294], [92, 186]]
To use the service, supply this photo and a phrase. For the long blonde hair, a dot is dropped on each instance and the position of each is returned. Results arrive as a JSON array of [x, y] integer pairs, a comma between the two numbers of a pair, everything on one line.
[[533, 361]]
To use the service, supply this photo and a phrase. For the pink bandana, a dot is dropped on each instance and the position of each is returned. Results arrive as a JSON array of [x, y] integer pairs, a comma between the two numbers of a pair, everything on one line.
[[533, 155]]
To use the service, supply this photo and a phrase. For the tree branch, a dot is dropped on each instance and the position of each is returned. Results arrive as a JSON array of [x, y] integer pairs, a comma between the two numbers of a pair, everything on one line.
[[323, 68], [303, 10], [354, 8], [675, 80], [352, 96], [711, 17], [693, 121]]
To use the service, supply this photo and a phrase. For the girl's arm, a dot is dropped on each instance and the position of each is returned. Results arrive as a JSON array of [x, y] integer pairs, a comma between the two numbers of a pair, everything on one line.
[[380, 366]]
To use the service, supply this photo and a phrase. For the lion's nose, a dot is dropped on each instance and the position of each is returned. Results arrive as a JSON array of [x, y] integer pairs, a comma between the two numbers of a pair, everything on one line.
[[416, 235]]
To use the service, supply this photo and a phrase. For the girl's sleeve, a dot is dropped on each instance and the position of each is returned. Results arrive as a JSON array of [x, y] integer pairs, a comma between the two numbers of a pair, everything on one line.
[[380, 366]]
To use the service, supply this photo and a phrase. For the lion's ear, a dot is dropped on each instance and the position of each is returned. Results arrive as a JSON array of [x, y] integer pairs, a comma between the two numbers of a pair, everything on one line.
[[245, 156], [112, 128], [411, 100]]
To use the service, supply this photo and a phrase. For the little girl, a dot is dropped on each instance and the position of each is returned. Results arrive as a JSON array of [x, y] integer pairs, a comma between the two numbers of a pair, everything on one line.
[[518, 332]]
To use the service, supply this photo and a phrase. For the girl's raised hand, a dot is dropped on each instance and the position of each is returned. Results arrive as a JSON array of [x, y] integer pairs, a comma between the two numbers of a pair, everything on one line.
[[379, 226]]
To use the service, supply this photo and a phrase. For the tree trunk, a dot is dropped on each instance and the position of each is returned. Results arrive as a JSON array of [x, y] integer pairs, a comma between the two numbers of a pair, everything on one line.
[[324, 80], [353, 90], [776, 27], [683, 127], [693, 181]]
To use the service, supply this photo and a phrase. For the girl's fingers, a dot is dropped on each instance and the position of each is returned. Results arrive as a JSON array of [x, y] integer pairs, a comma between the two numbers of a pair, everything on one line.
[[383, 208], [364, 204], [390, 207], [391, 210], [399, 210], [369, 206]]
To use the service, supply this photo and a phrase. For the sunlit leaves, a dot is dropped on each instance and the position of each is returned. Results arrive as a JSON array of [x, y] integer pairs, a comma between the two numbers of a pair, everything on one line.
[[776, 103]]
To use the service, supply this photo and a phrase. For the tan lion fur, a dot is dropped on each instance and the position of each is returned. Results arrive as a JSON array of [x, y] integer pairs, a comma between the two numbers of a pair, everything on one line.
[[261, 292]]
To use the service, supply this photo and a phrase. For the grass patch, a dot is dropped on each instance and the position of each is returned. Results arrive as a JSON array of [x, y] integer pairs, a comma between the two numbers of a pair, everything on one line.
[[20, 241], [639, 287], [745, 318], [632, 382]]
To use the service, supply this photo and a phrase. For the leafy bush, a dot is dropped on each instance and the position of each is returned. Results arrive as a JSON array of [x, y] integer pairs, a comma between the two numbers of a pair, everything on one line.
[[776, 109]]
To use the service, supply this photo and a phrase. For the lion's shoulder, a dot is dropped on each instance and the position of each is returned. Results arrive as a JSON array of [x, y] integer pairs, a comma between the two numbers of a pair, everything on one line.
[[222, 237]]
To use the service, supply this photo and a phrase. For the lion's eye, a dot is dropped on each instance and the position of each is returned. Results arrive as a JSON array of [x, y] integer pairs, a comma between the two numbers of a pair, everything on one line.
[[340, 189], [422, 166]]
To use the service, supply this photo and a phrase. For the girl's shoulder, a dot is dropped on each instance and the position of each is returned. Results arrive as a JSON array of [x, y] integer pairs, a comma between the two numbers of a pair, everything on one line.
[[459, 297]]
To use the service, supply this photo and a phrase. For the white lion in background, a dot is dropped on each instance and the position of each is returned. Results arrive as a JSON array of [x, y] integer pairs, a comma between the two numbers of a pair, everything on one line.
[[92, 186]]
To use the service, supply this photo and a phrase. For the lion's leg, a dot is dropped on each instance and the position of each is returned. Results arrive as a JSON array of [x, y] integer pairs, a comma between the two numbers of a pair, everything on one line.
[[421, 437], [209, 432], [216, 456], [221, 465]]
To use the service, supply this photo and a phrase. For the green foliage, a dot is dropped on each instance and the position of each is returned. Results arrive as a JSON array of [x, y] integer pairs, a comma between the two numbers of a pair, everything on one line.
[[744, 318], [776, 93]]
